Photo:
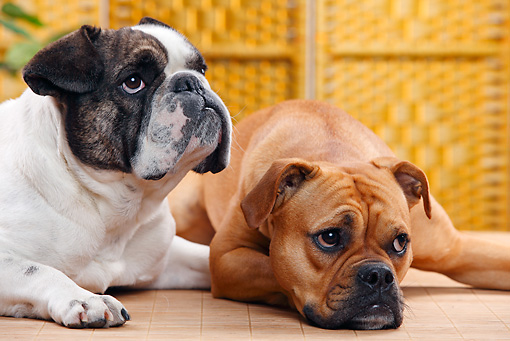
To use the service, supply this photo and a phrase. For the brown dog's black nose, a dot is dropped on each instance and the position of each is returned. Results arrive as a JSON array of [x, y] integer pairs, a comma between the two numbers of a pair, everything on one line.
[[376, 276]]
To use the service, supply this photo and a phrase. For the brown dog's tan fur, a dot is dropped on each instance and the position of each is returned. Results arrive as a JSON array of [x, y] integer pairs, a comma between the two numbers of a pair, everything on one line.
[[299, 168]]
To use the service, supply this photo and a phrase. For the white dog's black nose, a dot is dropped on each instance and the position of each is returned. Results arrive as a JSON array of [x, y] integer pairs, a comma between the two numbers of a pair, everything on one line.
[[186, 81]]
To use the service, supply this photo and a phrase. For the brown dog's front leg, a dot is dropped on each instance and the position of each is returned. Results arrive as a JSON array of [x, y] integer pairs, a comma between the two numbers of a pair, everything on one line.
[[243, 273], [438, 246]]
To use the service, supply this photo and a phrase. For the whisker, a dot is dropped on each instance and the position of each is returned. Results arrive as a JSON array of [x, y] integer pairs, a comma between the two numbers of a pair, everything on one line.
[[234, 117]]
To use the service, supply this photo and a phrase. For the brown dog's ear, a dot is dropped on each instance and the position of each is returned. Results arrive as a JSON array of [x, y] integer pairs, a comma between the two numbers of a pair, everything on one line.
[[411, 179], [71, 64], [280, 182]]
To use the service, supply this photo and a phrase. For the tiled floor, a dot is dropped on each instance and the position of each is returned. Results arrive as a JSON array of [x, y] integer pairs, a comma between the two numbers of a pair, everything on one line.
[[438, 309]]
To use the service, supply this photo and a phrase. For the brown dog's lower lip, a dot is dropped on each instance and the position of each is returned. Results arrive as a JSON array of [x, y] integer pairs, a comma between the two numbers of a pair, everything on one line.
[[373, 317]]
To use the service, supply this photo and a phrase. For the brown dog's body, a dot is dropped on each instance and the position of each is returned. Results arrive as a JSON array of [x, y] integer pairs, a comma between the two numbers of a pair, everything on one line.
[[316, 212]]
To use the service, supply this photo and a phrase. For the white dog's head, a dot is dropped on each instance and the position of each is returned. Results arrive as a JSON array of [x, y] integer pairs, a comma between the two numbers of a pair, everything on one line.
[[134, 100]]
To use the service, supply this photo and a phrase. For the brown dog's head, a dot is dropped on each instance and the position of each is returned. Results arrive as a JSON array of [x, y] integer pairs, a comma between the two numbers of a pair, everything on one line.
[[339, 236]]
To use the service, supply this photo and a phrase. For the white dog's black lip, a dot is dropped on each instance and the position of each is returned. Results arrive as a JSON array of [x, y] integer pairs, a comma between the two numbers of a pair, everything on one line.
[[216, 161], [219, 159]]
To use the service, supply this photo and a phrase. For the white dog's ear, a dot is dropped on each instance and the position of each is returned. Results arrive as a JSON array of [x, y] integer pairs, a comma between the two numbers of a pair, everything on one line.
[[71, 64], [411, 179], [277, 186], [152, 21]]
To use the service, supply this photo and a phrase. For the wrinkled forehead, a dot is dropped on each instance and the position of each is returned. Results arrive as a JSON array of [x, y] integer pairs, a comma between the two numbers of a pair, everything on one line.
[[124, 48], [380, 193], [181, 53], [364, 187]]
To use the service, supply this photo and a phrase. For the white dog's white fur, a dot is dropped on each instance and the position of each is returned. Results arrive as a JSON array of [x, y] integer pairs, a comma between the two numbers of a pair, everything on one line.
[[69, 231]]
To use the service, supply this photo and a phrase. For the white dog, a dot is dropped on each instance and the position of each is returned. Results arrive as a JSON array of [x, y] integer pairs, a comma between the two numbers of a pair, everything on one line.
[[112, 121]]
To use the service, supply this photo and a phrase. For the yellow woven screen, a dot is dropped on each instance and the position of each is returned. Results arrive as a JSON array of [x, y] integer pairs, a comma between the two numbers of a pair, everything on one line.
[[254, 49], [431, 78]]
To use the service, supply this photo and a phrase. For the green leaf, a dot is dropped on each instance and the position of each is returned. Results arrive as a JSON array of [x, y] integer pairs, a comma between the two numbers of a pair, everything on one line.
[[15, 28], [20, 53], [17, 12]]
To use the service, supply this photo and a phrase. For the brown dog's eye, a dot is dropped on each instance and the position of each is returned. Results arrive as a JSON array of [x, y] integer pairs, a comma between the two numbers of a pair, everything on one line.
[[133, 84], [400, 243], [329, 239]]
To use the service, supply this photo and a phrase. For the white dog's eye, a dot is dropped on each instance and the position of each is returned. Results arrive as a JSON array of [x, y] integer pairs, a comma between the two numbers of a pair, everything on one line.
[[400, 243], [133, 84]]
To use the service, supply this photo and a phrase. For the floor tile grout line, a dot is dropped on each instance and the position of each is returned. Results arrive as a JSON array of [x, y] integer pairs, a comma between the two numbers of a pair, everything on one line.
[[407, 331], [249, 321], [444, 312], [302, 329], [408, 308], [39, 331], [201, 315], [152, 314], [489, 308]]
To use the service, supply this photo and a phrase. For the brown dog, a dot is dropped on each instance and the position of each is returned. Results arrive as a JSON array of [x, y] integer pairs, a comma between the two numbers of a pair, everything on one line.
[[316, 212]]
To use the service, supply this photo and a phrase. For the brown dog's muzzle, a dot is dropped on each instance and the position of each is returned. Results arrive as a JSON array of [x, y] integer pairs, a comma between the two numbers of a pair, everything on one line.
[[373, 301]]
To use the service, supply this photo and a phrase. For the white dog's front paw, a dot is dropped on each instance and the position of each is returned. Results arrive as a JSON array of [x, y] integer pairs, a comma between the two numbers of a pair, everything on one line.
[[96, 311]]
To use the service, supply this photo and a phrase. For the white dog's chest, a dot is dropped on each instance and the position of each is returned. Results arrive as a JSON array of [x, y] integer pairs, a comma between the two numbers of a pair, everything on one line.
[[122, 256]]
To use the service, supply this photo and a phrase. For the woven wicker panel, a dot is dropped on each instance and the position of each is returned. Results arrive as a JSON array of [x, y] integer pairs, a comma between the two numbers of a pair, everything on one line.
[[64, 15], [213, 22], [431, 78], [248, 85], [253, 48]]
